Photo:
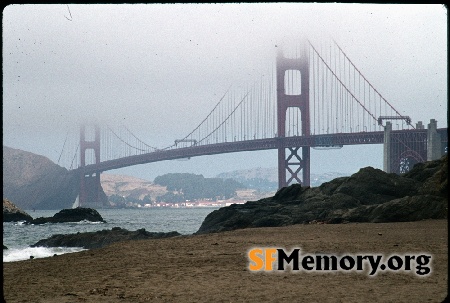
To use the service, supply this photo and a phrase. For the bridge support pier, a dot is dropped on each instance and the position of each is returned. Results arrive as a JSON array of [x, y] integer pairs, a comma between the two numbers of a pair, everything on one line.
[[402, 150], [90, 186]]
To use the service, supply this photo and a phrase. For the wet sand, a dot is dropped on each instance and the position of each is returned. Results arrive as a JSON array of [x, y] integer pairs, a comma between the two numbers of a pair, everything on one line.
[[214, 268]]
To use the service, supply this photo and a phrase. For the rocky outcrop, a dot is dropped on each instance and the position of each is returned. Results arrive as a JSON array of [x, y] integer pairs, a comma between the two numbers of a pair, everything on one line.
[[101, 238], [370, 195], [11, 213], [71, 215]]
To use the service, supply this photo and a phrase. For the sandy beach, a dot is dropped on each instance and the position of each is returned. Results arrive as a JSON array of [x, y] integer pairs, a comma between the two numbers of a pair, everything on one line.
[[215, 268]]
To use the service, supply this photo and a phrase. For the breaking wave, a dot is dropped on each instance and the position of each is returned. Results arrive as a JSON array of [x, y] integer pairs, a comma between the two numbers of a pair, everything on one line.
[[20, 254]]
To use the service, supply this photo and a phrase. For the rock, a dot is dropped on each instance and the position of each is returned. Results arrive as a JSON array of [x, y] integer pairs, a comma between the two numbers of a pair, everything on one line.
[[90, 240], [370, 195], [11, 213], [288, 193], [5, 247], [71, 215], [437, 183], [373, 186]]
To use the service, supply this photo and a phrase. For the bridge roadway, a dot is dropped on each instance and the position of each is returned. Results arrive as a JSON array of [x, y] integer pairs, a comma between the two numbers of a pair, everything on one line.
[[252, 145]]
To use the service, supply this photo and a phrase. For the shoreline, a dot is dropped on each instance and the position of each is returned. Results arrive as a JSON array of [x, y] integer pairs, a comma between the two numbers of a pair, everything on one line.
[[214, 268]]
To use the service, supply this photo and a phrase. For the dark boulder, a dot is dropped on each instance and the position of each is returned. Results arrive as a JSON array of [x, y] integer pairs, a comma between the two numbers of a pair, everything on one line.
[[373, 186], [11, 213], [370, 195], [289, 193], [71, 215], [398, 210], [437, 182], [423, 171], [101, 238]]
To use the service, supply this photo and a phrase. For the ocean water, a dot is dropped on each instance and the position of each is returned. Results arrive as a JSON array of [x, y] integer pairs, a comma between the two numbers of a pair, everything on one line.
[[18, 236]]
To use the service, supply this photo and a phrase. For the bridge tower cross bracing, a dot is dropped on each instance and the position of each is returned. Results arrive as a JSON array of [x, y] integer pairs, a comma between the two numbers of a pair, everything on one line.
[[295, 163], [90, 185]]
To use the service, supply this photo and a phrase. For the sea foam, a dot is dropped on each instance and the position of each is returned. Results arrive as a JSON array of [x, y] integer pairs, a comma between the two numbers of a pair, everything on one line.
[[20, 254]]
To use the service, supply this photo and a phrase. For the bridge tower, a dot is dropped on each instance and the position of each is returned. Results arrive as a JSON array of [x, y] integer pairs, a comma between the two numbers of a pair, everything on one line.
[[90, 187], [293, 92]]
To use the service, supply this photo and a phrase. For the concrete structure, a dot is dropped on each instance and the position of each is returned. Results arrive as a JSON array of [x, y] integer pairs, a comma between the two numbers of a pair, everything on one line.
[[433, 141], [387, 147], [422, 145]]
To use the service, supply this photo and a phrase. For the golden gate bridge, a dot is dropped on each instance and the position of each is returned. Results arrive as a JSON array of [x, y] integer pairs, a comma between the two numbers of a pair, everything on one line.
[[313, 97]]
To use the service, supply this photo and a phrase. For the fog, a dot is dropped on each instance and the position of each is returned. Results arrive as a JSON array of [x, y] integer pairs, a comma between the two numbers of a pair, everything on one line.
[[160, 68]]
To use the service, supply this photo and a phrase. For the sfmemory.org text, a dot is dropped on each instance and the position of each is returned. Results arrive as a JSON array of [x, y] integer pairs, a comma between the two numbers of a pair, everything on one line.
[[277, 259]]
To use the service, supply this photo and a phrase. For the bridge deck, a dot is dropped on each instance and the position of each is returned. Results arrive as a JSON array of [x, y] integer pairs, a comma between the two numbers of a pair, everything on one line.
[[252, 145]]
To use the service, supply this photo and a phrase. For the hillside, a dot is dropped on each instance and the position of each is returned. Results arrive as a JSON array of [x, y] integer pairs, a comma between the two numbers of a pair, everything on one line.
[[22, 167], [129, 186], [133, 189], [34, 181], [266, 179], [269, 174], [187, 186]]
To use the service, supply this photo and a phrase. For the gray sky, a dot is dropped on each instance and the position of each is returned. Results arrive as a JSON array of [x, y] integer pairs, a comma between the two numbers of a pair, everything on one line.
[[160, 69]]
